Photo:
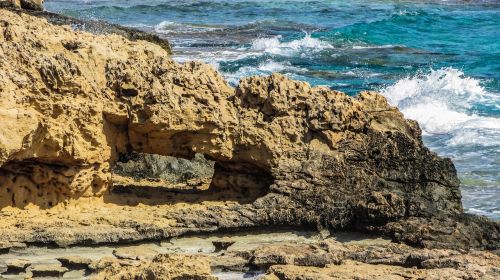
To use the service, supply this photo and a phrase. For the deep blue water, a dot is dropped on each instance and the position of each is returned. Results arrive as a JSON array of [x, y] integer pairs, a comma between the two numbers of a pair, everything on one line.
[[438, 61]]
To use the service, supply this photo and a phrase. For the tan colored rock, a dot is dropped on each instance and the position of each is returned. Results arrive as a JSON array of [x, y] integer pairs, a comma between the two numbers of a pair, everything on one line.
[[36, 5], [17, 265], [285, 153], [111, 263], [162, 267], [134, 253], [16, 3], [303, 255], [357, 270], [6, 246], [329, 259], [47, 270]]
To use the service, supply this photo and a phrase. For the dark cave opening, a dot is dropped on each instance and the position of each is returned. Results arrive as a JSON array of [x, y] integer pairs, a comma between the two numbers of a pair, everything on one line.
[[154, 179]]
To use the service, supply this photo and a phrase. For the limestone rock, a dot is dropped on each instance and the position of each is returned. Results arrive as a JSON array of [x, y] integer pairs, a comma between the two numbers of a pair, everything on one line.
[[285, 153], [15, 266], [6, 246], [222, 245], [134, 253], [93, 26], [329, 259], [31, 4], [295, 255], [75, 262], [111, 263], [356, 270], [16, 3], [47, 270], [162, 267]]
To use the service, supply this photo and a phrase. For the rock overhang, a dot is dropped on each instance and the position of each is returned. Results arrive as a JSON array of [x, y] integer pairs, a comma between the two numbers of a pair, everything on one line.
[[324, 158]]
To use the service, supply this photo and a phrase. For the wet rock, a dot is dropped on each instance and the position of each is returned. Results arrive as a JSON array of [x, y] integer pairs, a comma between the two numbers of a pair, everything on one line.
[[16, 266], [75, 262], [222, 245], [48, 270], [230, 262], [461, 231]]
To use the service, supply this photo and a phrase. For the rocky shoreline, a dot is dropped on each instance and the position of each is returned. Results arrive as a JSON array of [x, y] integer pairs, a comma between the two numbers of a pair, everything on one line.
[[93, 26], [285, 254], [75, 106]]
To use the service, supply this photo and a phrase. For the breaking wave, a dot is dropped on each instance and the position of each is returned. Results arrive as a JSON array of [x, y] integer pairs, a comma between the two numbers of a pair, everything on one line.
[[275, 45], [168, 27], [443, 102]]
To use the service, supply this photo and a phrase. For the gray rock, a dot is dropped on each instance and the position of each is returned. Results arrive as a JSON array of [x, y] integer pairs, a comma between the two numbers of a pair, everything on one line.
[[16, 266], [134, 253], [222, 245], [48, 270], [5, 246], [75, 262]]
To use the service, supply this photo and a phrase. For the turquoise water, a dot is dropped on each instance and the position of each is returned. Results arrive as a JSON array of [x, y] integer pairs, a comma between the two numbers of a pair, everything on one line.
[[438, 61]]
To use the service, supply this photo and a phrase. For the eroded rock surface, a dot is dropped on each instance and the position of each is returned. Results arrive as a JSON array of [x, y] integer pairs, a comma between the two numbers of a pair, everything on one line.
[[285, 153], [327, 259]]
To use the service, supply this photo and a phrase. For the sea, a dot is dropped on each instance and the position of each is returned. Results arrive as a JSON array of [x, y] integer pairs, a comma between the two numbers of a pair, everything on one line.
[[437, 61]]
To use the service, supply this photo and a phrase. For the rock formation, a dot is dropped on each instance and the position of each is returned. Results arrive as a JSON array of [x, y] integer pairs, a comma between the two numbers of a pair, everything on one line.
[[98, 27], [36, 5], [285, 153], [327, 259]]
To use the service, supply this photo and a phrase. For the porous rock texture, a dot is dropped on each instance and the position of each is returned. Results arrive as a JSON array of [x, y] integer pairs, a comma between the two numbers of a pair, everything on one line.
[[36, 5], [326, 259], [285, 153]]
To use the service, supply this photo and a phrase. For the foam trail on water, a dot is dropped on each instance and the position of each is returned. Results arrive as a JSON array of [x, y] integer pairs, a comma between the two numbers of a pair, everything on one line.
[[168, 27], [274, 45], [441, 102]]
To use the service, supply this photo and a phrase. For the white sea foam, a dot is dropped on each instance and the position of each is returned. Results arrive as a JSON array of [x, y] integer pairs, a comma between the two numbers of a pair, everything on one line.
[[264, 68], [441, 101], [168, 27], [274, 45]]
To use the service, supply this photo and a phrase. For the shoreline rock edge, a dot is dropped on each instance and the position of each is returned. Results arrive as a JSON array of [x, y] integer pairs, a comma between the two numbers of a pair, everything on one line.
[[292, 155]]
